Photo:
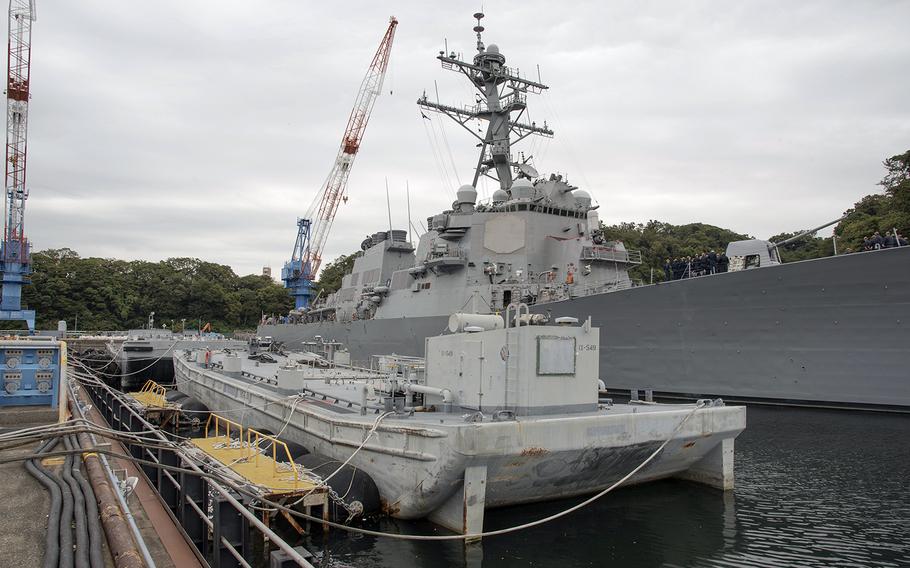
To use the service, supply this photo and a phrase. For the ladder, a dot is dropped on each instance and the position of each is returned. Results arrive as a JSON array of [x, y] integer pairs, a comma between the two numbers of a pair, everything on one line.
[[510, 395], [510, 400]]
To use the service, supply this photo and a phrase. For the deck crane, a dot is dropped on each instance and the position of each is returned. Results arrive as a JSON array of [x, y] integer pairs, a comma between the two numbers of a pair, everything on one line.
[[15, 254], [313, 229]]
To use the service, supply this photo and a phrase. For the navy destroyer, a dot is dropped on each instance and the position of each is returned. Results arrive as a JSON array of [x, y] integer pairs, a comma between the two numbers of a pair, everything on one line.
[[827, 332]]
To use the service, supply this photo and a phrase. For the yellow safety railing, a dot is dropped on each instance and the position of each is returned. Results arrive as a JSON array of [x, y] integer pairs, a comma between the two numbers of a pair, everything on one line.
[[227, 426], [253, 446], [253, 438], [155, 393]]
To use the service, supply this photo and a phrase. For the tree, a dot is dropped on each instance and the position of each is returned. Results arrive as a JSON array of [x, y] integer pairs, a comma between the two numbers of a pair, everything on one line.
[[658, 241], [107, 294], [804, 248], [331, 275], [879, 212]]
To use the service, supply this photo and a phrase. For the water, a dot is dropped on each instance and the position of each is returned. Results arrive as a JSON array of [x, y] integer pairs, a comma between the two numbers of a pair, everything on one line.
[[813, 488]]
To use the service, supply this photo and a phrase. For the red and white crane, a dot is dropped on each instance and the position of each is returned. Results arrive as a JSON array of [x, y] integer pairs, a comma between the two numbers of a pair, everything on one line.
[[313, 229], [15, 258]]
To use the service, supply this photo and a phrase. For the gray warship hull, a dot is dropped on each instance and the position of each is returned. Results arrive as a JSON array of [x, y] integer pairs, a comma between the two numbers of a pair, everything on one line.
[[828, 332]]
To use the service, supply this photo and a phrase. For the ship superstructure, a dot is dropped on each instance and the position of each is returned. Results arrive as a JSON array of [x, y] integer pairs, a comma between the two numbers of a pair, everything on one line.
[[827, 332], [536, 240]]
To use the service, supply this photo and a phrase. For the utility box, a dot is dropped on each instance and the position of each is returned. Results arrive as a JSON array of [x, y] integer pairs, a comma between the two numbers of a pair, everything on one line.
[[31, 371], [530, 370]]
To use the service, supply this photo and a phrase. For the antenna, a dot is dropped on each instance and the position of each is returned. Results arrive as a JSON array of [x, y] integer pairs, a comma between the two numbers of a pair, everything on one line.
[[479, 29], [500, 93], [407, 189], [388, 205]]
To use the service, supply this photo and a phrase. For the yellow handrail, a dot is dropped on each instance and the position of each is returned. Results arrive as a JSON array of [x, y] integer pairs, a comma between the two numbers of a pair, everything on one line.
[[253, 446], [227, 428], [158, 393]]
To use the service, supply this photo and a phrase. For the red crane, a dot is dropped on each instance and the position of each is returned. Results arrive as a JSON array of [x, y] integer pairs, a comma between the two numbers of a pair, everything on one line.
[[313, 229], [15, 261]]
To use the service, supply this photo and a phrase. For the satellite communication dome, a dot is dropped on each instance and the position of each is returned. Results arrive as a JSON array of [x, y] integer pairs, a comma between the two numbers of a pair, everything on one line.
[[582, 198], [492, 48], [499, 196], [523, 189], [467, 194]]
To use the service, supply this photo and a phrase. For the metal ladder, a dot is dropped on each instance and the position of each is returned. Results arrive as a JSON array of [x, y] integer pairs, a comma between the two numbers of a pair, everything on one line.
[[510, 400]]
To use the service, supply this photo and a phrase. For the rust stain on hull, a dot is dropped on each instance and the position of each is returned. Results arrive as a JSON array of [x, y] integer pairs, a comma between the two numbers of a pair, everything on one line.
[[534, 451]]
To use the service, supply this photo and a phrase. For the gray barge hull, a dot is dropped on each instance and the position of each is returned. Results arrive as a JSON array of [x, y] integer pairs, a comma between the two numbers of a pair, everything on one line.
[[828, 332]]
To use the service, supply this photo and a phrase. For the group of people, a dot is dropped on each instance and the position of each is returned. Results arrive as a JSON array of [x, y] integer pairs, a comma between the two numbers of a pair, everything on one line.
[[890, 240], [698, 265]]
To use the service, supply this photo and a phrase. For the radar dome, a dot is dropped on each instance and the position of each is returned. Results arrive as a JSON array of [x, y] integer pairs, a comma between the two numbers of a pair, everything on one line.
[[492, 48], [499, 196], [582, 198], [467, 194], [523, 189]]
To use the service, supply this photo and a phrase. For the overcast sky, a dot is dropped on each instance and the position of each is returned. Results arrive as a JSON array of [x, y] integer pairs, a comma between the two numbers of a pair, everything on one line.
[[203, 129]]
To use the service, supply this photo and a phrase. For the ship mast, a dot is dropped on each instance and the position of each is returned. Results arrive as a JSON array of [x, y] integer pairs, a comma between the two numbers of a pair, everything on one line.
[[502, 92]]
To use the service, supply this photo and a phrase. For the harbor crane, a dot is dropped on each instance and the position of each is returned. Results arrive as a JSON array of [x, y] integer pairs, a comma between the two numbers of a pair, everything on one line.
[[15, 253], [313, 229]]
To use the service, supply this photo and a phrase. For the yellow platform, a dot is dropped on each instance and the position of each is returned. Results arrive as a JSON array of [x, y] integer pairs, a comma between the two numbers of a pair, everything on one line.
[[151, 395], [241, 454]]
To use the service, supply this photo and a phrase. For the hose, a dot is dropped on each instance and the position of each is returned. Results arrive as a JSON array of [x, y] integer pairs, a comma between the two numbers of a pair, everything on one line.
[[52, 541], [66, 521], [95, 535], [78, 507]]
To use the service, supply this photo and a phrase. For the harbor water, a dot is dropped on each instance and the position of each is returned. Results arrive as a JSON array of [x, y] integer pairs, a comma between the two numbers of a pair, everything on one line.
[[813, 488]]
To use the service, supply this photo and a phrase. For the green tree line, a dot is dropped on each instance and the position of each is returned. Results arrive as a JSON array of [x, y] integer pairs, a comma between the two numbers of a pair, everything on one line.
[[116, 294], [108, 294], [882, 212]]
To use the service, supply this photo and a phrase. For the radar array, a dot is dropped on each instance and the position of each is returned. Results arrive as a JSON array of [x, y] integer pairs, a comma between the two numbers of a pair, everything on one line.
[[502, 92]]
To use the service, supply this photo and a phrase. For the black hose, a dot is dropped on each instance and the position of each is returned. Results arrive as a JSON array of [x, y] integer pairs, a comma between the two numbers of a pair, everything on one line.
[[78, 507], [66, 522], [52, 541], [95, 534]]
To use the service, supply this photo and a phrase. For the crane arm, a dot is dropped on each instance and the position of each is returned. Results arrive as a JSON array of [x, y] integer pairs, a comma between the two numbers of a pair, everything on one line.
[[325, 206], [313, 229]]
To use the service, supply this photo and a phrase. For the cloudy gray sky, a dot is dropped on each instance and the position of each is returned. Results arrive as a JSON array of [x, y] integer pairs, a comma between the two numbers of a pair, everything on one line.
[[203, 128]]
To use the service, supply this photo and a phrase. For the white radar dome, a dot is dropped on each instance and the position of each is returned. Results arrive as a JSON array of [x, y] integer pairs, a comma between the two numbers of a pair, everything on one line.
[[467, 194], [523, 189], [499, 196], [582, 198], [492, 48]]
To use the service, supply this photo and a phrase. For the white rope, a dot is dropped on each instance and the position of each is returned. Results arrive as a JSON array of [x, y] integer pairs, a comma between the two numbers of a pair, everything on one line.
[[326, 479]]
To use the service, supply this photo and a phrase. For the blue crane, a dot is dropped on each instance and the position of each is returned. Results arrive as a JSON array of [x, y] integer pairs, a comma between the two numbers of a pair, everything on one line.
[[313, 230]]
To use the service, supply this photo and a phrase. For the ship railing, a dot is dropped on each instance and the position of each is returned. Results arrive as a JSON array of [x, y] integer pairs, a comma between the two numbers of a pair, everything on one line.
[[515, 98], [601, 287], [449, 256], [611, 255], [328, 397], [405, 366], [363, 406]]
